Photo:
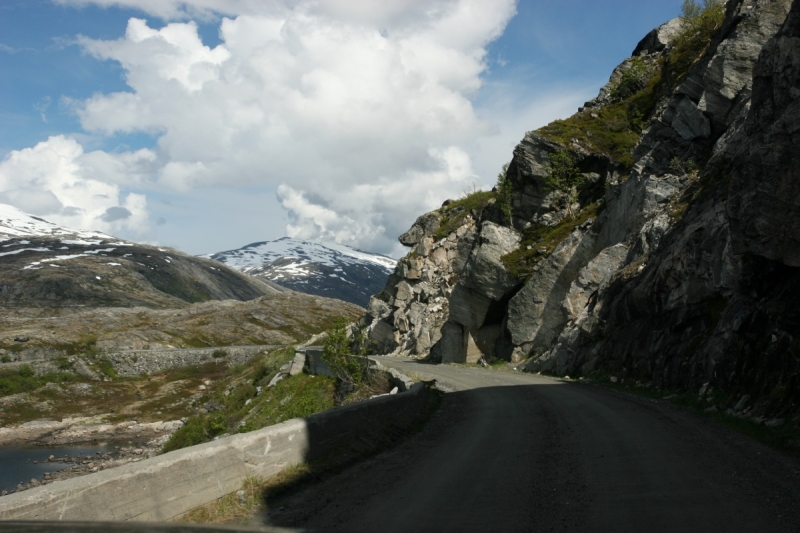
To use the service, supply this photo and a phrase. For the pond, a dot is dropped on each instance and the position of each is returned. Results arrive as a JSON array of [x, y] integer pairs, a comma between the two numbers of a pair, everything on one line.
[[20, 464]]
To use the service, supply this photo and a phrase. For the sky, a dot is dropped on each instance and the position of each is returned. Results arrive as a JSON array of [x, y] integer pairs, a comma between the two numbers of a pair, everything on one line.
[[206, 125]]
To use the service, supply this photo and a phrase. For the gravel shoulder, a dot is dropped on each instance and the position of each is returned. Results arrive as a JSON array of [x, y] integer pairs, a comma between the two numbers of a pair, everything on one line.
[[520, 452]]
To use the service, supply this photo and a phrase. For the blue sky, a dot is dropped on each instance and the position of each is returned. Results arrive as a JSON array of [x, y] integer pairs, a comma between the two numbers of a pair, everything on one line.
[[549, 57]]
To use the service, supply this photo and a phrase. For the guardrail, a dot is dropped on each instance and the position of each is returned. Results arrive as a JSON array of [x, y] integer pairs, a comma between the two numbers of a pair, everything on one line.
[[172, 484]]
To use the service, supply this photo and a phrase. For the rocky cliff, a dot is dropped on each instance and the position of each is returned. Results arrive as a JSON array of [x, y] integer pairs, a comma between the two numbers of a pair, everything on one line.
[[672, 263]]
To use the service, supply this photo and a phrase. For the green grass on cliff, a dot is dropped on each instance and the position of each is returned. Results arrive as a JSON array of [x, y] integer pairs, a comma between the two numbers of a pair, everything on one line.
[[539, 242], [615, 129], [454, 214]]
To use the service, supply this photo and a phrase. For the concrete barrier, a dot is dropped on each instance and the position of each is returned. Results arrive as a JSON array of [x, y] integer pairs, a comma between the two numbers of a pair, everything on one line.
[[172, 484]]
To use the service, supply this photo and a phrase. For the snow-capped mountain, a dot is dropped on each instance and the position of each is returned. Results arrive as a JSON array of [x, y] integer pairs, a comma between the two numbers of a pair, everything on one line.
[[17, 223], [331, 270], [46, 265]]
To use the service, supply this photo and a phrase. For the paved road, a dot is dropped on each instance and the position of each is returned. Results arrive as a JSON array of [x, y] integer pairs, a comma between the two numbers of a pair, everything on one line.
[[517, 452]]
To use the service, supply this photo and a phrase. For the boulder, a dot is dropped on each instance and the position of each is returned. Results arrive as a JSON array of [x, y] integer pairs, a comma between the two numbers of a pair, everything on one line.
[[658, 39], [298, 363], [423, 227], [485, 271]]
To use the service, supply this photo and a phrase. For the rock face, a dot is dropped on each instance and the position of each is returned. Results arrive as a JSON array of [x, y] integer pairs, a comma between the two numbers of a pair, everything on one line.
[[764, 201], [679, 270]]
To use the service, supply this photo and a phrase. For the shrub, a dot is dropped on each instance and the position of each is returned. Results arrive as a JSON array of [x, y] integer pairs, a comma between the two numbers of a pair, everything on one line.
[[107, 368], [565, 177], [337, 352], [699, 22], [192, 433], [455, 213], [26, 371], [217, 354], [504, 194], [633, 80], [5, 359]]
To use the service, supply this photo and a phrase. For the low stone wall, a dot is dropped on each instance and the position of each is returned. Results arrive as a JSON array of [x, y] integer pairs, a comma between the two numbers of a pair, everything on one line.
[[172, 484], [138, 362]]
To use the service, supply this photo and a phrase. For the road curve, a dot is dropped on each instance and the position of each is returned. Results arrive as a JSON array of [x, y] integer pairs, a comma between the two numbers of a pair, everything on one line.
[[517, 452]]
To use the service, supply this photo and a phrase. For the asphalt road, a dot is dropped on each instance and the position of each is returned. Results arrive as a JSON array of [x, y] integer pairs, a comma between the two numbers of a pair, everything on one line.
[[517, 452]]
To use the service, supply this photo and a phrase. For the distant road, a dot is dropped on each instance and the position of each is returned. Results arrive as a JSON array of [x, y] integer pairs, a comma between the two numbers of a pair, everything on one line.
[[518, 452]]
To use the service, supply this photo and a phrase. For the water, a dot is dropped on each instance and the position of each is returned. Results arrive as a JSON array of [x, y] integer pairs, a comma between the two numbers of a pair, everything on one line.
[[17, 462]]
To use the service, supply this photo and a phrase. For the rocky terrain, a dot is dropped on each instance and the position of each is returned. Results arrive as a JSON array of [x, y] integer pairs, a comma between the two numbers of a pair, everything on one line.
[[103, 339], [672, 263], [330, 270]]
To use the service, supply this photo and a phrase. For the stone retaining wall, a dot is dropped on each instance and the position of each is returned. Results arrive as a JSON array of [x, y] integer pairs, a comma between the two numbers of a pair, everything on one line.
[[137, 362], [172, 484]]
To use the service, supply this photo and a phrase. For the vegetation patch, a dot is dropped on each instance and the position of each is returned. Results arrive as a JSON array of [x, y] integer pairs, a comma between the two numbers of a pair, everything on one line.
[[453, 214], [233, 404], [504, 195], [24, 380], [614, 129], [699, 23], [539, 242]]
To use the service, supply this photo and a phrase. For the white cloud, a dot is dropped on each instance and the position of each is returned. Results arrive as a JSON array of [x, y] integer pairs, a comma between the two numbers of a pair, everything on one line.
[[53, 179], [357, 112]]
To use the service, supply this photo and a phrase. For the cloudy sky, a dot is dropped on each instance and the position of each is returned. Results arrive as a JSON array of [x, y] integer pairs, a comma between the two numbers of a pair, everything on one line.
[[209, 124]]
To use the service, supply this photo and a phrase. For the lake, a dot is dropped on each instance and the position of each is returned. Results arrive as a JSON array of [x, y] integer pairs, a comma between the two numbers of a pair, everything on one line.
[[17, 462]]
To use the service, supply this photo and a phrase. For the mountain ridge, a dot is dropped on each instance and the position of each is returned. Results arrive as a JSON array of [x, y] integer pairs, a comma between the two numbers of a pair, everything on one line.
[[322, 269]]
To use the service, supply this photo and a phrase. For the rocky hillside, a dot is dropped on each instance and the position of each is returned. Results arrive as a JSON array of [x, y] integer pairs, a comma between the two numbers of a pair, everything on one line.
[[651, 236], [330, 270], [45, 265], [66, 292]]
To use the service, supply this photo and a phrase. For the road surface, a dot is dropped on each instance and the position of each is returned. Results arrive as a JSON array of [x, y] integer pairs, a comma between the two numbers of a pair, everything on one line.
[[517, 452]]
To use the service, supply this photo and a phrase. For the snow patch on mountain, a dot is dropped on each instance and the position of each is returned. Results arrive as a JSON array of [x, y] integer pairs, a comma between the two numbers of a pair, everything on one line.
[[331, 270], [258, 254], [16, 223]]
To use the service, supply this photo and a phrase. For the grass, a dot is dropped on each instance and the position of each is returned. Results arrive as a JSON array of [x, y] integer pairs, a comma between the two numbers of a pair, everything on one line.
[[455, 213], [615, 129], [22, 381], [539, 242], [293, 397]]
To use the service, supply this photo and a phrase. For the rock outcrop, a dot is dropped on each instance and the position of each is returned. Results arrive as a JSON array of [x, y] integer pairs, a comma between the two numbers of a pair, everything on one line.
[[679, 269]]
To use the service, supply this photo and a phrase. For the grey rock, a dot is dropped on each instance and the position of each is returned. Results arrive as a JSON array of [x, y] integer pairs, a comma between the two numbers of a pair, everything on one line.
[[589, 279], [400, 380], [469, 307], [742, 403], [316, 365], [535, 314], [689, 121], [658, 39], [484, 271], [765, 181], [453, 345], [82, 369], [423, 227], [274, 381], [298, 363]]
